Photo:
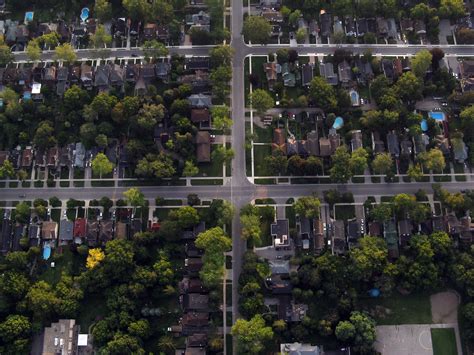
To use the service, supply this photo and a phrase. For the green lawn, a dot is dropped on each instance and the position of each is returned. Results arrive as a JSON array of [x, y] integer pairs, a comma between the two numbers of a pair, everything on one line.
[[398, 309], [264, 135], [260, 152], [345, 212], [92, 308], [444, 341], [68, 261]]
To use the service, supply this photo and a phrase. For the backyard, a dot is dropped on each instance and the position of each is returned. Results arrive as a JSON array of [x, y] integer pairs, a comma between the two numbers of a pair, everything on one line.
[[444, 341]]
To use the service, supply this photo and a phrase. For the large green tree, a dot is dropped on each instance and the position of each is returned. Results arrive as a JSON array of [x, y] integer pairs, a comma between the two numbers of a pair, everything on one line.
[[251, 335], [322, 94], [261, 101], [256, 29], [307, 206], [341, 168], [102, 165]]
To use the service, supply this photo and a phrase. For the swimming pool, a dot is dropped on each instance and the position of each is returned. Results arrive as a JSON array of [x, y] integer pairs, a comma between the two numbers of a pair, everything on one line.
[[437, 115], [84, 14], [424, 125], [46, 252], [338, 123]]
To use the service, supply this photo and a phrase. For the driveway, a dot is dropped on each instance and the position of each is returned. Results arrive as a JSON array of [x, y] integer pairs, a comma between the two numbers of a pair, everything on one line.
[[444, 31]]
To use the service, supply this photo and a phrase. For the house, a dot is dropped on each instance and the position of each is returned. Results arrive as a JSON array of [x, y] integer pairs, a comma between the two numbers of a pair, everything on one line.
[[289, 78], [203, 147], [196, 341], [60, 338], [199, 81], [300, 349], [194, 322], [405, 228], [318, 235], [442, 143], [362, 27], [339, 237], [162, 33], [135, 226], [150, 31], [24, 76], [271, 71], [79, 232], [4, 154], [19, 231], [131, 73], [162, 71], [337, 26], [375, 229], [391, 238], [121, 230], [378, 146], [353, 231], [466, 69], [327, 72], [197, 63], [324, 147], [325, 21], [279, 141], [74, 76], [106, 230], [307, 74], [201, 21], [407, 25], [392, 31], [279, 267], [49, 230], [193, 266], [62, 80], [199, 100], [92, 232], [420, 142], [406, 64], [453, 224], [292, 147], [34, 235], [6, 236], [387, 67], [26, 158], [79, 155], [49, 75], [334, 139], [459, 149], [64, 156], [356, 141], [86, 76], [201, 117], [382, 26], [393, 145], [52, 157], [420, 27], [66, 231], [397, 67], [350, 27], [280, 232], [191, 285], [438, 224], [195, 302], [120, 28], [271, 15], [147, 72], [312, 143], [117, 75], [406, 147]]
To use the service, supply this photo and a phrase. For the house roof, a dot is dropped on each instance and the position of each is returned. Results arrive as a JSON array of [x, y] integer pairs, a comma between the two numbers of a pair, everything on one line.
[[196, 63], [356, 141], [312, 143], [345, 72], [79, 228], [102, 75], [106, 230], [26, 158], [66, 228], [195, 319], [200, 115], [121, 230], [203, 151], [280, 231], [393, 145], [324, 147], [375, 229], [49, 230], [196, 301], [307, 74], [279, 267], [200, 100]]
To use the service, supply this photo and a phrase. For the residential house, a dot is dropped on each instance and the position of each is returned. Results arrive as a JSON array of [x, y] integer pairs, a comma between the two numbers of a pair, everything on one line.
[[92, 232], [307, 74], [64, 156], [86, 76], [466, 68], [382, 26], [392, 31], [271, 3], [325, 21], [120, 28], [34, 235], [299, 348], [22, 35], [79, 232], [49, 230], [324, 147], [289, 78], [339, 238], [350, 28], [162, 33], [356, 141], [375, 229], [327, 72], [24, 76], [393, 144], [74, 76], [26, 158], [279, 141], [135, 226], [62, 80], [101, 78], [131, 73], [271, 15], [162, 71], [197, 63], [203, 147], [312, 143], [199, 100], [52, 157], [337, 26], [147, 72], [6, 236], [121, 230], [406, 147], [201, 117], [305, 232], [49, 75], [271, 71], [4, 154], [117, 75], [191, 285], [362, 27], [334, 139], [195, 302], [353, 231], [280, 232], [405, 231], [201, 21], [407, 25], [420, 27], [79, 155], [406, 64], [378, 146], [196, 342], [442, 143], [391, 238], [19, 231], [10, 76], [420, 142], [66, 232], [387, 67], [194, 322], [60, 338], [438, 224], [280, 267], [150, 31], [459, 149], [15, 157], [199, 81], [318, 235], [397, 67], [106, 230], [193, 266]]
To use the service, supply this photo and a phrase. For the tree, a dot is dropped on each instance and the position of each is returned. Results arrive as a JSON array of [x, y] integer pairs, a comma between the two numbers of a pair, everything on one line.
[[322, 94], [421, 62], [307, 206], [65, 52], [7, 170], [381, 213], [222, 154], [414, 172], [215, 243], [370, 257], [154, 49], [251, 335], [159, 166], [358, 161], [365, 331], [301, 35], [15, 327], [221, 55], [186, 216], [164, 269], [277, 164], [140, 329], [33, 51], [44, 135], [103, 103], [452, 9], [467, 117], [101, 165], [101, 140], [256, 29], [94, 258], [404, 203], [251, 228], [69, 296], [345, 331], [433, 160], [341, 169], [103, 10], [75, 98], [124, 344], [409, 87], [134, 197], [221, 118], [137, 9], [190, 169], [41, 300], [294, 17], [150, 115], [166, 343], [313, 165], [261, 101], [22, 212], [383, 164], [100, 38], [6, 55], [221, 212]]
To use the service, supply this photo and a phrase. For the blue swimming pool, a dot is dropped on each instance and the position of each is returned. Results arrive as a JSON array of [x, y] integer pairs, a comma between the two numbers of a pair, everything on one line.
[[85, 14], [437, 115], [424, 125], [338, 123], [46, 252]]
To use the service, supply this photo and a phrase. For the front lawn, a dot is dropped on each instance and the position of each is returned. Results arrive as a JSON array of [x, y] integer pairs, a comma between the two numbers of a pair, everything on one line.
[[444, 341], [260, 153], [399, 309]]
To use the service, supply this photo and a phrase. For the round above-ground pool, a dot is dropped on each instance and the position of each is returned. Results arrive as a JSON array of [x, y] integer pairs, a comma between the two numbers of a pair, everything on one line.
[[424, 125], [437, 115], [46, 252], [338, 123], [84, 13]]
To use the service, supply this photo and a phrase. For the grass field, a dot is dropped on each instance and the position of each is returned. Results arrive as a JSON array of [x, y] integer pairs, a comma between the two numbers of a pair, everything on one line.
[[409, 309], [260, 153], [444, 341]]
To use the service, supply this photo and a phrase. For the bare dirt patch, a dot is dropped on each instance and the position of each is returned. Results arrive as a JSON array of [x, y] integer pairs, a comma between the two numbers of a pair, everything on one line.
[[444, 307]]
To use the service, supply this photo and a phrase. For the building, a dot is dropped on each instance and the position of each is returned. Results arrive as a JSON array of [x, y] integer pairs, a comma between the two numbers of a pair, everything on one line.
[[327, 72], [405, 231], [199, 100], [280, 232], [345, 72], [271, 71], [307, 74], [279, 141], [66, 231], [195, 302], [300, 349], [393, 144], [318, 235], [79, 232], [201, 117], [49, 230], [106, 230], [391, 238], [356, 141], [203, 147], [6, 236], [92, 232], [339, 238], [60, 338]]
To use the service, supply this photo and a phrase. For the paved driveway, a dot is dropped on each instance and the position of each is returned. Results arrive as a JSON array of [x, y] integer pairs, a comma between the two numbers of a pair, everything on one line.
[[413, 339]]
